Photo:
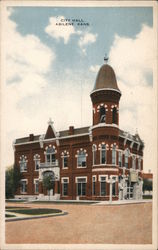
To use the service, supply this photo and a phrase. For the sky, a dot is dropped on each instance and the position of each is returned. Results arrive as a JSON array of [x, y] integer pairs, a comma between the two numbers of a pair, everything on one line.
[[52, 66]]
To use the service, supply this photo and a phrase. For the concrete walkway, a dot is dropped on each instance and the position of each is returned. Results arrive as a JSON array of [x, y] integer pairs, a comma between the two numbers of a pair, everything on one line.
[[121, 202]]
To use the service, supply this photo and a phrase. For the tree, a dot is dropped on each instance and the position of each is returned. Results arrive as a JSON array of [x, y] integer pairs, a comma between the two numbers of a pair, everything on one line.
[[147, 185], [48, 183], [12, 181]]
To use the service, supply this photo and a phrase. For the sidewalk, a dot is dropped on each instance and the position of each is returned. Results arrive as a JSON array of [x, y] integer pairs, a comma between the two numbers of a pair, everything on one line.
[[122, 202]]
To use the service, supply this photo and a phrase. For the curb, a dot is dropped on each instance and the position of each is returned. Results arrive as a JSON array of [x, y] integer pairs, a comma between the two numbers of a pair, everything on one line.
[[34, 217]]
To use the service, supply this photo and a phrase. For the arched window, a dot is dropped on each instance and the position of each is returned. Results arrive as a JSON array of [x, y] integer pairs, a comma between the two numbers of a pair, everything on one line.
[[37, 161], [94, 150], [23, 163], [64, 156], [114, 115], [81, 158], [114, 155], [103, 154], [50, 155], [102, 114], [126, 157]]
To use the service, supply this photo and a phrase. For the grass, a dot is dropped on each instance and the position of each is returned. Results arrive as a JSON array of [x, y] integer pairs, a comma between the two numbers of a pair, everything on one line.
[[15, 200], [36, 211], [8, 208], [9, 215]]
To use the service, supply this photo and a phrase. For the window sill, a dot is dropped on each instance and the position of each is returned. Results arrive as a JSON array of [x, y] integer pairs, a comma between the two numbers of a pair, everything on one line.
[[81, 167], [105, 164], [24, 171], [99, 165], [65, 168]]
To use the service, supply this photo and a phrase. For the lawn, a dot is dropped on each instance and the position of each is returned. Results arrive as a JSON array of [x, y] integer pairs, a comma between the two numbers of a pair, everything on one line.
[[37, 211], [9, 215], [8, 200], [8, 208]]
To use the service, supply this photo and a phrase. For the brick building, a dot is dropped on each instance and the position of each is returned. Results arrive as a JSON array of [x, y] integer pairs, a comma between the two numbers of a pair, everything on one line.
[[99, 162]]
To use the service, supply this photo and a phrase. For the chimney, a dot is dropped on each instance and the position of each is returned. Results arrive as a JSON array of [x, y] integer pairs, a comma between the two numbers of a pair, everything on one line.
[[31, 137], [71, 130]]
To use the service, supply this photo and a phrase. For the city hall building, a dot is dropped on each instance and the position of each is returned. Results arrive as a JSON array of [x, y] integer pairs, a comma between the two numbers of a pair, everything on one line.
[[99, 162]]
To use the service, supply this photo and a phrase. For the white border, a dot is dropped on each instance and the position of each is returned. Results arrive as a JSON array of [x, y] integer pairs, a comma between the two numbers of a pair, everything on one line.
[[4, 4]]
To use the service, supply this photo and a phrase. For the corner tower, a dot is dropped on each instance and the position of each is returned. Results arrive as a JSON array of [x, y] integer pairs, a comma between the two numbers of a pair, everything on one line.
[[105, 100], [105, 97]]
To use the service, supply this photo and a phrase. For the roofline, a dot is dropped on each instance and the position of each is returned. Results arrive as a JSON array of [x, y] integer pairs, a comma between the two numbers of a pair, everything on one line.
[[104, 125], [138, 142], [51, 139], [96, 90]]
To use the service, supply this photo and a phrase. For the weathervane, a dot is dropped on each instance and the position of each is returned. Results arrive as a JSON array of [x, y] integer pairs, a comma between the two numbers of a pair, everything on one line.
[[106, 58]]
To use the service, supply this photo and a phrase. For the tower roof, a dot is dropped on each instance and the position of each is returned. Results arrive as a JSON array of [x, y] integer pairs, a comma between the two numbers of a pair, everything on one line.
[[106, 78]]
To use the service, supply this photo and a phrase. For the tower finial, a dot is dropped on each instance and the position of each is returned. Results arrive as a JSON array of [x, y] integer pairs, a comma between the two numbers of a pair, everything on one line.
[[106, 58], [50, 122]]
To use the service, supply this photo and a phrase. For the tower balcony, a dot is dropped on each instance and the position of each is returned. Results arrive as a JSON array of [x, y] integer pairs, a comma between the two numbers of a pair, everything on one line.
[[52, 166]]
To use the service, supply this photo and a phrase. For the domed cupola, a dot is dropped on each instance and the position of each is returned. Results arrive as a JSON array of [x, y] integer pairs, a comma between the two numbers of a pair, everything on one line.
[[105, 97], [106, 78]]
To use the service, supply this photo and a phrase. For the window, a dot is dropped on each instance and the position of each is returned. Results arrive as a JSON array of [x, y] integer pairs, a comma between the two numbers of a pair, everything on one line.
[[134, 162], [103, 154], [102, 185], [65, 182], [23, 163], [23, 186], [37, 161], [81, 158], [102, 114], [81, 186], [65, 156], [114, 187], [120, 158], [114, 115], [114, 154], [93, 185], [94, 150], [50, 155], [126, 157], [36, 182], [139, 163]]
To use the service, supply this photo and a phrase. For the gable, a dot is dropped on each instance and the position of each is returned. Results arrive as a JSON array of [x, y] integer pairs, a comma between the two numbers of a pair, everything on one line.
[[50, 133]]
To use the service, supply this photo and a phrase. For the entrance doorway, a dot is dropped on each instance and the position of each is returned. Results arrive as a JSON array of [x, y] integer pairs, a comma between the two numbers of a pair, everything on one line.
[[129, 190]]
